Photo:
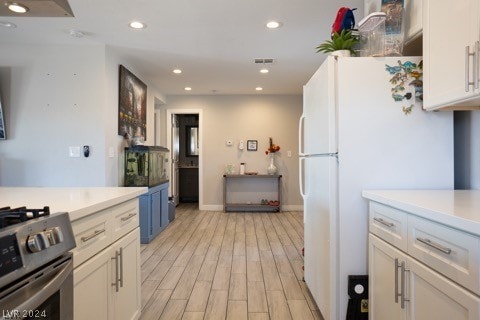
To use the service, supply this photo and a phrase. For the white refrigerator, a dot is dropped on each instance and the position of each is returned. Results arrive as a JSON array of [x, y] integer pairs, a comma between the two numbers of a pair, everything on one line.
[[355, 136]]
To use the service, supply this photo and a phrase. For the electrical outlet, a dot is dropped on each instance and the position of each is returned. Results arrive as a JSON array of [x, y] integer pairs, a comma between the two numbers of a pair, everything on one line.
[[111, 152], [289, 153]]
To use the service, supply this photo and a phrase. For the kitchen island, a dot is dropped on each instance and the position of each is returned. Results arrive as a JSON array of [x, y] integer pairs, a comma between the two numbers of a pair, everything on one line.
[[106, 260], [424, 251]]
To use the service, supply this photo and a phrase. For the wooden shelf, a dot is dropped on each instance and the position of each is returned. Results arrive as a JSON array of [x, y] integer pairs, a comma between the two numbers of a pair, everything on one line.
[[251, 207]]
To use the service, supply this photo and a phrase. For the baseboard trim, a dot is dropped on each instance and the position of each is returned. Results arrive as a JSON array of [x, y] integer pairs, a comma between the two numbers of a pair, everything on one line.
[[216, 207]]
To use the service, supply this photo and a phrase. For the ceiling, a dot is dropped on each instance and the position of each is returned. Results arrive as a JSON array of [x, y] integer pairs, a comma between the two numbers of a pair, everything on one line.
[[214, 42]]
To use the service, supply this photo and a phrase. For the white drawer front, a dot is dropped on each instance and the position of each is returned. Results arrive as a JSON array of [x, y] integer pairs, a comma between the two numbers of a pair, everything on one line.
[[92, 234], [389, 224], [125, 218], [449, 251]]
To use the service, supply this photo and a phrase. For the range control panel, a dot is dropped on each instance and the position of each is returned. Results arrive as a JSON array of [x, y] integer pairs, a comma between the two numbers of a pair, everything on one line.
[[10, 258]]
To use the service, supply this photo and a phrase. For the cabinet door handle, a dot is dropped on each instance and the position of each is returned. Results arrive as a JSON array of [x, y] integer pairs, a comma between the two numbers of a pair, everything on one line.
[[396, 281], [121, 267], [403, 280], [116, 258], [93, 235], [385, 223], [130, 216], [435, 245], [475, 65], [467, 68]]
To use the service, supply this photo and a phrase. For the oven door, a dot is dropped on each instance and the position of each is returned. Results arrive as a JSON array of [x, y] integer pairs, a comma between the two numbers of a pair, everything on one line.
[[46, 293]]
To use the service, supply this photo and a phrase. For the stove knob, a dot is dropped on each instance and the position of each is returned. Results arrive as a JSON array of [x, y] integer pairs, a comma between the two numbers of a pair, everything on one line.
[[55, 235], [37, 242]]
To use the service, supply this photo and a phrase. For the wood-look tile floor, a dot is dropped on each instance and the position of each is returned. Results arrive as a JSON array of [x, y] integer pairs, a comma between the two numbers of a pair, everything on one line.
[[215, 265]]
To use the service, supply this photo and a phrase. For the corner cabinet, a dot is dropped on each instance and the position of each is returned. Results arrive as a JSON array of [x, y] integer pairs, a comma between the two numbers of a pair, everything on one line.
[[153, 212], [451, 35], [419, 269]]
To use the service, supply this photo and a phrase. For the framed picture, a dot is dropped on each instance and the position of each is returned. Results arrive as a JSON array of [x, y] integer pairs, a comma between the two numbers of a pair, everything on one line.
[[132, 105], [252, 145], [3, 134]]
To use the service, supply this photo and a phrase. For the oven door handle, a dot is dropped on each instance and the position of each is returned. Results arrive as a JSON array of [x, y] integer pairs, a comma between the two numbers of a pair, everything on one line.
[[49, 289]]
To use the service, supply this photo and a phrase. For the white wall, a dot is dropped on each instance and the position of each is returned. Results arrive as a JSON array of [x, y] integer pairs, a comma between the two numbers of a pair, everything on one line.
[[53, 98], [255, 117], [60, 96]]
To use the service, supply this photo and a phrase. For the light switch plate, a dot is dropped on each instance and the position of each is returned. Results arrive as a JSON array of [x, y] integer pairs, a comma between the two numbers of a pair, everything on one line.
[[111, 152], [74, 152]]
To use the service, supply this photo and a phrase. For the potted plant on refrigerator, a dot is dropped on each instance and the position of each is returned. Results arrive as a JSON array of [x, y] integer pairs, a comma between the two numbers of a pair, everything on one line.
[[341, 44]]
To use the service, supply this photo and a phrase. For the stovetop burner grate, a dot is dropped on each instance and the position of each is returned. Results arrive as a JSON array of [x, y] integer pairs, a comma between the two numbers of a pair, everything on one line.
[[9, 216]]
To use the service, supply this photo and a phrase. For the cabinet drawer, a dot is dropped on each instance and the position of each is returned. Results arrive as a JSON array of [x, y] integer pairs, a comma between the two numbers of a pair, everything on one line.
[[389, 224], [125, 218], [449, 251], [92, 234]]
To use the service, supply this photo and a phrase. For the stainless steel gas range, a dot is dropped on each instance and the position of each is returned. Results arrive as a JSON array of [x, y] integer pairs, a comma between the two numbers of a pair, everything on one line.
[[36, 268]]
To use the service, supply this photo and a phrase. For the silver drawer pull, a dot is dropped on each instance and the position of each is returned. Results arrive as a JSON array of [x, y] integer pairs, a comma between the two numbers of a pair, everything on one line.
[[385, 223], [434, 245], [130, 216], [93, 235]]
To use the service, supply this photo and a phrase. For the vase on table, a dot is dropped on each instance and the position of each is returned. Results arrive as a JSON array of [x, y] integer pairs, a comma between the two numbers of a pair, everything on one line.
[[272, 169]]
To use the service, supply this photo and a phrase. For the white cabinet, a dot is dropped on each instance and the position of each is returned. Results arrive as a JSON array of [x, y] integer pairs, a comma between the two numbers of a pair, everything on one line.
[[450, 54], [125, 268], [107, 264], [427, 279], [402, 288], [383, 260]]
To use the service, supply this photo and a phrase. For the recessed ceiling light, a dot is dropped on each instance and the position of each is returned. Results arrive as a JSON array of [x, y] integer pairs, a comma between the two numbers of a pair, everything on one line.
[[273, 25], [188, 89], [264, 70], [177, 71], [7, 24], [259, 88], [15, 7], [137, 25]]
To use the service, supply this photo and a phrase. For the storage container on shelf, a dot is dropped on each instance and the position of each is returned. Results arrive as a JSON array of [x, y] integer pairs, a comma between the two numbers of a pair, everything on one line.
[[371, 30]]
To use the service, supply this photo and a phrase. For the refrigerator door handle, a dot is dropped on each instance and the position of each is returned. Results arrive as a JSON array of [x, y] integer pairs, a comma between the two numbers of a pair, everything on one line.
[[301, 124], [301, 171]]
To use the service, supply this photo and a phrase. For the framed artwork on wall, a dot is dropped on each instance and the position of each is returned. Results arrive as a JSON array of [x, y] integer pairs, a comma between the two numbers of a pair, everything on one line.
[[252, 145], [3, 133], [132, 106]]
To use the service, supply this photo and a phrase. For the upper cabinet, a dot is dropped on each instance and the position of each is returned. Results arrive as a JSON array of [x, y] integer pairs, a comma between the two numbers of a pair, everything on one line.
[[451, 54]]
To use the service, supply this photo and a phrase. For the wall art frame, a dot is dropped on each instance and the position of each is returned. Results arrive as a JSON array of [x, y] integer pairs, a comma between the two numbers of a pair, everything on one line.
[[132, 105]]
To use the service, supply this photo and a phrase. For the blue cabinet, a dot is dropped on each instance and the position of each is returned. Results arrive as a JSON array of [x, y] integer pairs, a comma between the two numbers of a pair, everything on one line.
[[153, 212]]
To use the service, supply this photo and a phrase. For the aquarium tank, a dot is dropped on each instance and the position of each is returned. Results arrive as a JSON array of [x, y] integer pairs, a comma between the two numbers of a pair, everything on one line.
[[145, 166]]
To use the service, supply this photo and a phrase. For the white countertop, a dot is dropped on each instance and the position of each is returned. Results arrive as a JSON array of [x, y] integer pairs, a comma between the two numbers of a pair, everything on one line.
[[457, 208], [78, 202]]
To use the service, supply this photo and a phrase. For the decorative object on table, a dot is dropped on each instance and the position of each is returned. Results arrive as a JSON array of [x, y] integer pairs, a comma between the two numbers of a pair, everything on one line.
[[230, 169], [242, 168], [271, 151], [132, 105], [343, 42], [407, 84], [252, 145]]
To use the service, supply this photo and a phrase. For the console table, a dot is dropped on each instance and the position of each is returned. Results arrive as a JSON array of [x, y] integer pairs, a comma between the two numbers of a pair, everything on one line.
[[227, 206]]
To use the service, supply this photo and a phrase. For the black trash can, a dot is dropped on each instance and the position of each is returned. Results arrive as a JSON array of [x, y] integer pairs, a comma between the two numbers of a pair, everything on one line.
[[171, 209]]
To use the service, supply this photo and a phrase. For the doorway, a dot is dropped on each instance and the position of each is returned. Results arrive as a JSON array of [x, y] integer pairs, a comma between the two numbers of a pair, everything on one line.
[[184, 140]]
